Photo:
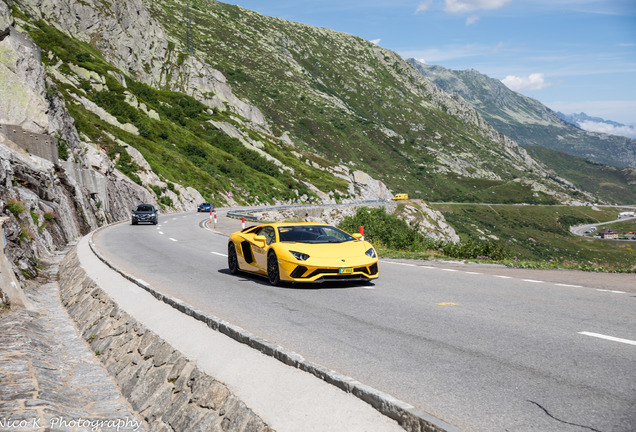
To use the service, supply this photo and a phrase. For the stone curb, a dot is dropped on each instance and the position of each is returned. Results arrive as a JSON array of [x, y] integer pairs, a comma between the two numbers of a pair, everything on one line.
[[407, 416]]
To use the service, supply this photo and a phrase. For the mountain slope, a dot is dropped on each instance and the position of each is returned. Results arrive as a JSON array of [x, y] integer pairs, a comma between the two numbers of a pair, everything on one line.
[[526, 120], [223, 100]]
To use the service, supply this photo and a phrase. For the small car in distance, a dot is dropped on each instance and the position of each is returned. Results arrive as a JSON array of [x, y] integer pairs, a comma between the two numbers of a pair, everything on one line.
[[205, 207], [302, 252], [145, 213]]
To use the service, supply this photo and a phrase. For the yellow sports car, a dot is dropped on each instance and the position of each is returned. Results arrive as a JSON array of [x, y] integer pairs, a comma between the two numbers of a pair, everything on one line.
[[302, 252]]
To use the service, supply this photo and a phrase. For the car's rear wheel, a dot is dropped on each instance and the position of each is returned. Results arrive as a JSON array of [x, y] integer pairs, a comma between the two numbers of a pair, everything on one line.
[[273, 272], [232, 259]]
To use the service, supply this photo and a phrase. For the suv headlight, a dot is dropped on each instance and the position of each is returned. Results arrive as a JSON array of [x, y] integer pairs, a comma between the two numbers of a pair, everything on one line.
[[371, 253], [299, 255]]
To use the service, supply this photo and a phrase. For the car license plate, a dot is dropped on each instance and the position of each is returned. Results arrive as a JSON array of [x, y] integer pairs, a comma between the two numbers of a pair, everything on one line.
[[346, 270]]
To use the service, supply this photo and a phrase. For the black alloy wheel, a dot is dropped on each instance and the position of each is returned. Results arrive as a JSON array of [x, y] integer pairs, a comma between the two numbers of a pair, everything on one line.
[[232, 259], [273, 272]]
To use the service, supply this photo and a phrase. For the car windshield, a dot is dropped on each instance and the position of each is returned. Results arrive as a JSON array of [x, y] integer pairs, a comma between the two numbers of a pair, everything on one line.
[[144, 208], [313, 234]]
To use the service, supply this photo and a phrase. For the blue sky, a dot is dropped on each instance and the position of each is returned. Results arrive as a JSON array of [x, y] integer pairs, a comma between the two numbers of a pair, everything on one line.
[[571, 55]]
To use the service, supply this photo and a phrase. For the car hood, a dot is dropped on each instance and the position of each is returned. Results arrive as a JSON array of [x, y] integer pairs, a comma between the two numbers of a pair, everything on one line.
[[325, 252]]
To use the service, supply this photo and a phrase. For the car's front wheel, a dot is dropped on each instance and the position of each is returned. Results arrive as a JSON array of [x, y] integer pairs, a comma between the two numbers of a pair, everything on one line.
[[232, 259], [273, 272]]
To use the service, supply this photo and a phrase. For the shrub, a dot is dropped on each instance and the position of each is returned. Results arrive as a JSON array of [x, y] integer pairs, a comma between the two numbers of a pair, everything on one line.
[[49, 216], [385, 229], [16, 207]]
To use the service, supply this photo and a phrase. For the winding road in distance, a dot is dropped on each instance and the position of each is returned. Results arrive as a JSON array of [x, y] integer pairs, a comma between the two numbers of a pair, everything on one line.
[[485, 348]]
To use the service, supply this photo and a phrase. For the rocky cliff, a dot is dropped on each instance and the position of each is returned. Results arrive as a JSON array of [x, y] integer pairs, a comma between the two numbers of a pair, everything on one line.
[[48, 203]]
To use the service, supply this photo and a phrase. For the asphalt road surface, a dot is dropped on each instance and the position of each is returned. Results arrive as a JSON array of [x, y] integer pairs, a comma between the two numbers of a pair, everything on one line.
[[485, 348]]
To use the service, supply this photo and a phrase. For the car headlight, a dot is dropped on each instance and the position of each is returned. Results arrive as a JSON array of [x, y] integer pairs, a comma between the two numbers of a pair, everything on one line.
[[371, 253], [299, 255]]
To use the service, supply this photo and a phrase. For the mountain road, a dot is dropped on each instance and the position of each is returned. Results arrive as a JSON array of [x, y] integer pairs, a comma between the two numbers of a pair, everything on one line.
[[484, 348]]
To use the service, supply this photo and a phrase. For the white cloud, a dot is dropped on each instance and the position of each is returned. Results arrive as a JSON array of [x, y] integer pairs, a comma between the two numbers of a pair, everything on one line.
[[376, 41], [472, 20], [592, 126], [423, 6], [535, 81], [463, 6]]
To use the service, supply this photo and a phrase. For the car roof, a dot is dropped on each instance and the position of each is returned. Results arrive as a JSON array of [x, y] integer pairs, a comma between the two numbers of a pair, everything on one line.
[[288, 224]]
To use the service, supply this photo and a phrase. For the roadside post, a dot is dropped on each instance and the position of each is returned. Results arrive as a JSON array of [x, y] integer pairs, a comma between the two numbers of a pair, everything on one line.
[[214, 219], [243, 222], [362, 232]]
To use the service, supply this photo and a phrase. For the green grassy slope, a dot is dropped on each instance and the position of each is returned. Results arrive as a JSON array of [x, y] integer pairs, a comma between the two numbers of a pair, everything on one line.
[[541, 233], [614, 185], [349, 101]]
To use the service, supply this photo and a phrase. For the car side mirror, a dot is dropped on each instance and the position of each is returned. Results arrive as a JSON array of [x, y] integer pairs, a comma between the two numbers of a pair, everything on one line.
[[260, 241], [356, 236]]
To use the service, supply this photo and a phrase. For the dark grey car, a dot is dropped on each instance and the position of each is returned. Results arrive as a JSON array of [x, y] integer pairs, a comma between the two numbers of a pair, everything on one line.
[[145, 213]]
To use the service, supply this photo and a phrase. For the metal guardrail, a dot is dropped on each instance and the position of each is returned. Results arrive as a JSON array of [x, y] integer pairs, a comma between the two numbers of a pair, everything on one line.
[[247, 213]]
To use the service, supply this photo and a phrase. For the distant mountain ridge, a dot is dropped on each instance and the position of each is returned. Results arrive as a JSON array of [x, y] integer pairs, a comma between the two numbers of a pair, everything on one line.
[[598, 124], [526, 120]]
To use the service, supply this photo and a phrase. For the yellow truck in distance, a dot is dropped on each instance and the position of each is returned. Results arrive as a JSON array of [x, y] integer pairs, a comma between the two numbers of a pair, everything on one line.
[[400, 197]]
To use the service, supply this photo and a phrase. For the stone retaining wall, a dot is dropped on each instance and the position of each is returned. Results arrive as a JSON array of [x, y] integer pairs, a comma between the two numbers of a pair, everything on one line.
[[169, 391], [44, 146]]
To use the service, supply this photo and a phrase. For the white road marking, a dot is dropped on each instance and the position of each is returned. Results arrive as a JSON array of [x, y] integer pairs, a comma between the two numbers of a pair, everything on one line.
[[497, 276], [610, 338], [399, 263], [219, 254], [161, 232], [174, 240]]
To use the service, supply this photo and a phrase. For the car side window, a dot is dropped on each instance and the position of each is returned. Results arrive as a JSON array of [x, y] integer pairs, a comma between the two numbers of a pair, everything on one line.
[[269, 234]]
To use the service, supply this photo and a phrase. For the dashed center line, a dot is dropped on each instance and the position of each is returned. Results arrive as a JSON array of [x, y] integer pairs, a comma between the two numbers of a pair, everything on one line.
[[174, 240], [219, 254], [610, 338], [532, 280], [611, 291]]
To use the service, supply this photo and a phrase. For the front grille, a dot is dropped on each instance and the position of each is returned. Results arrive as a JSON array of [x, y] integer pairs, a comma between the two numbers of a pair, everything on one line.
[[335, 273], [324, 271]]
